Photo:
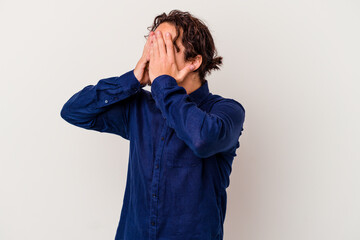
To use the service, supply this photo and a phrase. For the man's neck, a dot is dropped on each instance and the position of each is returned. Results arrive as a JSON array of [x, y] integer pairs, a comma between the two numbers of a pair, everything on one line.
[[191, 84]]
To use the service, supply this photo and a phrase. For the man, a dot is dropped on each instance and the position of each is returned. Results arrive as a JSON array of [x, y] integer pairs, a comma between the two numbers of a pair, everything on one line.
[[182, 137]]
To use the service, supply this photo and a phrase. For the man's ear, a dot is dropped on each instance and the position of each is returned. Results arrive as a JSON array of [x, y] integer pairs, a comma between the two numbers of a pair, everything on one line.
[[196, 61]]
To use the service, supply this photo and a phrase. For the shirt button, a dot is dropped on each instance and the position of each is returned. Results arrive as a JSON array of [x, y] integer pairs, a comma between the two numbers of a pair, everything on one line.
[[157, 166], [153, 223], [154, 195], [162, 138], [106, 101]]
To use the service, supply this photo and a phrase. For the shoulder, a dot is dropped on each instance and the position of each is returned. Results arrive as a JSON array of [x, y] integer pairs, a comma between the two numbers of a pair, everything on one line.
[[220, 102]]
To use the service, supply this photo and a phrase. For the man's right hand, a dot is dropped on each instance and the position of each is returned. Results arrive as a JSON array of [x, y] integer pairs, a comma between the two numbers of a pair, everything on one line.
[[141, 70]]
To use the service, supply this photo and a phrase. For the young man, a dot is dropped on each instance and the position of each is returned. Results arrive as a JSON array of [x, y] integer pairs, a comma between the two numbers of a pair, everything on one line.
[[182, 137]]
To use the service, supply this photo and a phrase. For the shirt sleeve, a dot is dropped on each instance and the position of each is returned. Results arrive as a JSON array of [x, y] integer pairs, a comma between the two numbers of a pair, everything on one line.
[[205, 133], [104, 107]]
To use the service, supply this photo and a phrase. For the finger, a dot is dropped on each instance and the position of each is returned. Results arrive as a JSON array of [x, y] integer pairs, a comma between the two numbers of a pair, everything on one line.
[[150, 37], [151, 51], [185, 71], [148, 41], [155, 48], [146, 52], [170, 47], [161, 43]]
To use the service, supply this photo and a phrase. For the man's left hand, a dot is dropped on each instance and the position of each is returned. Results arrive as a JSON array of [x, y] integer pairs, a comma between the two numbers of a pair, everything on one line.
[[162, 59]]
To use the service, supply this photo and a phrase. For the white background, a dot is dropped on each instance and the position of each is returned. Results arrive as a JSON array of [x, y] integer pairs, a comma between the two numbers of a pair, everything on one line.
[[294, 65]]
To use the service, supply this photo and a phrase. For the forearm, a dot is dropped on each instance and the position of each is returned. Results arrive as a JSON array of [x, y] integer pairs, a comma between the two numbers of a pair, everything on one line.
[[87, 104], [205, 133]]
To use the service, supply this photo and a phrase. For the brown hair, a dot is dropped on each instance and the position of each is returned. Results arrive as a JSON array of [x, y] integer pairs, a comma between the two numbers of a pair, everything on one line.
[[196, 39]]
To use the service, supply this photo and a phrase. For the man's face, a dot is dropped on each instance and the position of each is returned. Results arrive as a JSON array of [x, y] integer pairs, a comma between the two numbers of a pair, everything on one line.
[[179, 56]]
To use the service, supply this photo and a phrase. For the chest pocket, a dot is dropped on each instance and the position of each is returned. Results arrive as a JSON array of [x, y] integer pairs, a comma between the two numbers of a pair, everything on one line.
[[179, 154]]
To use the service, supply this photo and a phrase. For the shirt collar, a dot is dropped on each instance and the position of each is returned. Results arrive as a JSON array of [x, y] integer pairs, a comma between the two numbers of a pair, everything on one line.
[[200, 94]]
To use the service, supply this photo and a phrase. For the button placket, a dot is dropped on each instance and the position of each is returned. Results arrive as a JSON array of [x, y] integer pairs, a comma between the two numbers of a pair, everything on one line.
[[155, 185]]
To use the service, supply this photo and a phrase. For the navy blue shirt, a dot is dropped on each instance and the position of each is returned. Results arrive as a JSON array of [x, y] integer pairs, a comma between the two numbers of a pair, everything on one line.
[[181, 152]]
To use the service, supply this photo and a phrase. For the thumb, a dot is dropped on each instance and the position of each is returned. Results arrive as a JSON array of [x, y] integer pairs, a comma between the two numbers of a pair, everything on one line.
[[185, 71]]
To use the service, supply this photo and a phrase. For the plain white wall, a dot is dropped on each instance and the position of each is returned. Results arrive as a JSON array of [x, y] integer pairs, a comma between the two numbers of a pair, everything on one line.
[[294, 65]]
